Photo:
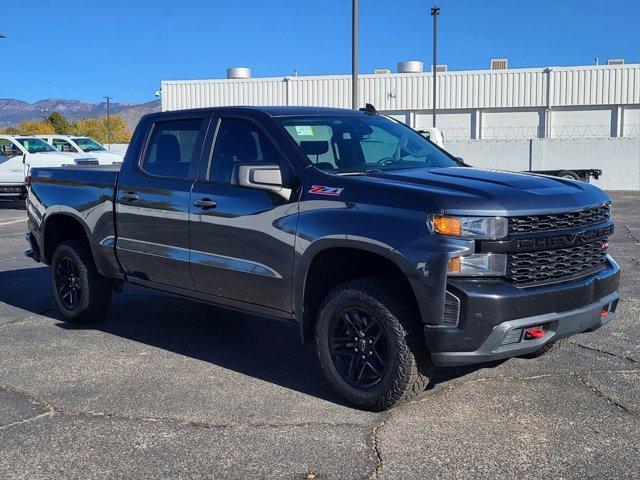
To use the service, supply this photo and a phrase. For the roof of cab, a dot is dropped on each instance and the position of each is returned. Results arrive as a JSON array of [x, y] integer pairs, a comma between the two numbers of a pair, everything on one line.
[[274, 111]]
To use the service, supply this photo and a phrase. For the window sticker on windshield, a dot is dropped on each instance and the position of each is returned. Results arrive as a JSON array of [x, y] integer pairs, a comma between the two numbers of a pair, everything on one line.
[[324, 190], [304, 130]]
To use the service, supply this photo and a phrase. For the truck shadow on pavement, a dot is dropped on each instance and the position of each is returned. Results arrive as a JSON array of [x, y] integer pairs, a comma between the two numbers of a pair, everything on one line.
[[262, 348], [12, 205]]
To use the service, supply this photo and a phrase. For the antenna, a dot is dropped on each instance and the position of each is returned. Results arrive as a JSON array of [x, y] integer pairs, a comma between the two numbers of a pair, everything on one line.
[[370, 109]]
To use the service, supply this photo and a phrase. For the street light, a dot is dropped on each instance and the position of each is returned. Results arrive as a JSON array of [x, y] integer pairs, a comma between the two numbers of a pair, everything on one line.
[[354, 54], [435, 11], [108, 121]]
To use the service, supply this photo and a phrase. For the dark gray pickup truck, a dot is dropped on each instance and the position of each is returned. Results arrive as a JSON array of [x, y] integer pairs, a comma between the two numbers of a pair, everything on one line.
[[391, 255]]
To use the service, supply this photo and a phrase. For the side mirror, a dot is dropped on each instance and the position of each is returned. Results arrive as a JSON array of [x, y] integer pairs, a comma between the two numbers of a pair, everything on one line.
[[262, 177]]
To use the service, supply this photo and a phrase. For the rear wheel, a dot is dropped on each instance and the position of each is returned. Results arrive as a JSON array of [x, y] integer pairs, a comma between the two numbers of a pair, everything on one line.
[[370, 346], [569, 175], [82, 295]]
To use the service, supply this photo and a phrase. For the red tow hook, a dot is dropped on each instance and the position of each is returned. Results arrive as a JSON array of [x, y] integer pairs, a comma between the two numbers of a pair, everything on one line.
[[603, 313], [533, 333]]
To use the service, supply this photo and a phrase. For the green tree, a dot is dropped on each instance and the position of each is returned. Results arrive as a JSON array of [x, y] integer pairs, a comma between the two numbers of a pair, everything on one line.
[[96, 128], [59, 123], [34, 127], [10, 131]]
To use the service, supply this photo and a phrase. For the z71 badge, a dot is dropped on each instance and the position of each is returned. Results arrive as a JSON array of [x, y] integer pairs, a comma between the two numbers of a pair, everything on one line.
[[324, 190]]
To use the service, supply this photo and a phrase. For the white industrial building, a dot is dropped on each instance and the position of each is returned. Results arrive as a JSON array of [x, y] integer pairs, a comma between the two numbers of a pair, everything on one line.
[[552, 102], [520, 119]]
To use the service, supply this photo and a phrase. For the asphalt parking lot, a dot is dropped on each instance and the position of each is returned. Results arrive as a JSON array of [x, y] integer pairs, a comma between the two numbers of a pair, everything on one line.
[[167, 388]]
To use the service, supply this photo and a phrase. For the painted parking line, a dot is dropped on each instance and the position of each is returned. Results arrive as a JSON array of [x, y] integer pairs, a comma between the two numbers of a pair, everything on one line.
[[12, 222]]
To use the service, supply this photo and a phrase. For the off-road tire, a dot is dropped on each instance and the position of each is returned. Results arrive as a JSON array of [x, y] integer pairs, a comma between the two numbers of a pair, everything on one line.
[[569, 174], [95, 290], [409, 361]]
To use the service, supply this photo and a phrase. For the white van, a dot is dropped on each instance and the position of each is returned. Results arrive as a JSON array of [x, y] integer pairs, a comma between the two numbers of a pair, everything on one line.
[[19, 153], [79, 144]]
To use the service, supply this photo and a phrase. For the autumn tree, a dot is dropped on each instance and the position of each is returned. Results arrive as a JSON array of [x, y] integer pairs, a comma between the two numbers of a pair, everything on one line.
[[59, 123], [96, 128], [34, 127]]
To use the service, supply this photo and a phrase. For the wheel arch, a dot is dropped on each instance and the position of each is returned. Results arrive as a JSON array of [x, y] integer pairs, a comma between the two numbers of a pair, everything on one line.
[[52, 234], [354, 256]]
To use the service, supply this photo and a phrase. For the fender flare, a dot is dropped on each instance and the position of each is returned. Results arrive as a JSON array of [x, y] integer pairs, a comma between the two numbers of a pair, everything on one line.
[[302, 265], [59, 211]]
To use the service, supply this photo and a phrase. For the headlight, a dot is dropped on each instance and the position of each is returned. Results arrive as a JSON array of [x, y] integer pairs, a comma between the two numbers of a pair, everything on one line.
[[478, 264], [488, 228]]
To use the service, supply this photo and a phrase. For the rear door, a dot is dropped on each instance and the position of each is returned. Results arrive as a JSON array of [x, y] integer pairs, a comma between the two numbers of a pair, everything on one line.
[[153, 201], [242, 239]]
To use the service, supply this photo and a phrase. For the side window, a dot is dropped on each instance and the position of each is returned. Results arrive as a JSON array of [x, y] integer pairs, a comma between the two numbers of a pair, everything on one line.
[[316, 141], [171, 151], [5, 147], [63, 145], [239, 141]]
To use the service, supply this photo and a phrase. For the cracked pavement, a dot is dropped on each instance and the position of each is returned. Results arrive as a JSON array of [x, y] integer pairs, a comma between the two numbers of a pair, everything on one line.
[[167, 388]]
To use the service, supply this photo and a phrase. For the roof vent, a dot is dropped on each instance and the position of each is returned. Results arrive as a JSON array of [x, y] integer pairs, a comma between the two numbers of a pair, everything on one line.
[[411, 66], [381, 71], [615, 61], [238, 72], [441, 68], [499, 63]]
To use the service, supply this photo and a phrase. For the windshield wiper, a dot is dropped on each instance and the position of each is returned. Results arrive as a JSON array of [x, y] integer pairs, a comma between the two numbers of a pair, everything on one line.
[[363, 172]]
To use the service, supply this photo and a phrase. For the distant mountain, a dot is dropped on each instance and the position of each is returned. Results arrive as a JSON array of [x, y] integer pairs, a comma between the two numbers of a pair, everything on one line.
[[12, 112]]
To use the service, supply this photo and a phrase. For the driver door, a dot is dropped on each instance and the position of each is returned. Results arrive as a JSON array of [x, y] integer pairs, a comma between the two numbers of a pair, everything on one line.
[[242, 238], [12, 170]]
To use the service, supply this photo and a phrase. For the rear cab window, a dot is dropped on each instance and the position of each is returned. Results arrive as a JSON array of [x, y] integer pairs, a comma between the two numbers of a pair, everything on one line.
[[173, 148]]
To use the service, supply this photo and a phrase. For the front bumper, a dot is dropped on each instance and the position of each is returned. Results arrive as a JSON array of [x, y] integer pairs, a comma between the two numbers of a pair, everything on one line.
[[12, 190], [490, 311]]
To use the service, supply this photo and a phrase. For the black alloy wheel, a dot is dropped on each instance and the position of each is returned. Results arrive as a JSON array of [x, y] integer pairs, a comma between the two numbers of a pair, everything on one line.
[[68, 283], [359, 348]]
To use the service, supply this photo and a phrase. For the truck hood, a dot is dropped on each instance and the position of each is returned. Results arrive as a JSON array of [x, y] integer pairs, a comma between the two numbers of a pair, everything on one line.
[[474, 191], [107, 157], [53, 159]]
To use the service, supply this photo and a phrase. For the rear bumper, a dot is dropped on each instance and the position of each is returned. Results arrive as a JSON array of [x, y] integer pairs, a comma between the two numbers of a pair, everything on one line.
[[34, 251], [492, 313]]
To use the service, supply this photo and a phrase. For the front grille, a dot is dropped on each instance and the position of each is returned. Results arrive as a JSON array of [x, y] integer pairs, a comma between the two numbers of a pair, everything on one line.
[[560, 221], [550, 265]]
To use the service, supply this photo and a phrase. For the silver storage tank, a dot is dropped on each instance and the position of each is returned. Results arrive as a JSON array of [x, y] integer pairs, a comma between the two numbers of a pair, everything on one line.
[[411, 66], [238, 72]]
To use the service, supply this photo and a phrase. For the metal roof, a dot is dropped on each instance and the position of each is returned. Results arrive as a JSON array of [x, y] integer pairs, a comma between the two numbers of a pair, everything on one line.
[[526, 87]]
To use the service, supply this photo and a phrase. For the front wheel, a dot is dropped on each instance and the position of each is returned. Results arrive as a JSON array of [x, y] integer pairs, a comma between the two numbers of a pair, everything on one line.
[[82, 295], [370, 345]]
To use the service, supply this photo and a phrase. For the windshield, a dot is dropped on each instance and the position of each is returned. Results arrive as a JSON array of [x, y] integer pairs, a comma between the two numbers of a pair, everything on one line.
[[35, 145], [88, 145], [346, 144]]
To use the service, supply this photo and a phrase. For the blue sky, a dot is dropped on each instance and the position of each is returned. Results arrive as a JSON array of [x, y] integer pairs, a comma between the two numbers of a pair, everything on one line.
[[86, 49]]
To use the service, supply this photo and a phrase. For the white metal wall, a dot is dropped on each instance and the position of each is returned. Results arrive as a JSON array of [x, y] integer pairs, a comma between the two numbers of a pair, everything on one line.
[[514, 88]]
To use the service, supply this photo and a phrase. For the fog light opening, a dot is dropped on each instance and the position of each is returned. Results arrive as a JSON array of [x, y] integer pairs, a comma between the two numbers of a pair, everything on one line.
[[535, 332]]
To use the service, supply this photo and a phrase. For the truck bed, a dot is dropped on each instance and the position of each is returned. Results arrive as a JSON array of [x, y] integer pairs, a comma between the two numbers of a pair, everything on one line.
[[84, 193]]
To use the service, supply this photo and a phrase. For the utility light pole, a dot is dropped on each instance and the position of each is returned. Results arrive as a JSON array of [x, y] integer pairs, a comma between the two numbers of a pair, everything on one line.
[[354, 54], [435, 11], [108, 121]]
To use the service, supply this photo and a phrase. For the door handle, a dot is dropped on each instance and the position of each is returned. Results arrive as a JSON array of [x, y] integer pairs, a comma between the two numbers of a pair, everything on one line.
[[205, 203], [132, 197]]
